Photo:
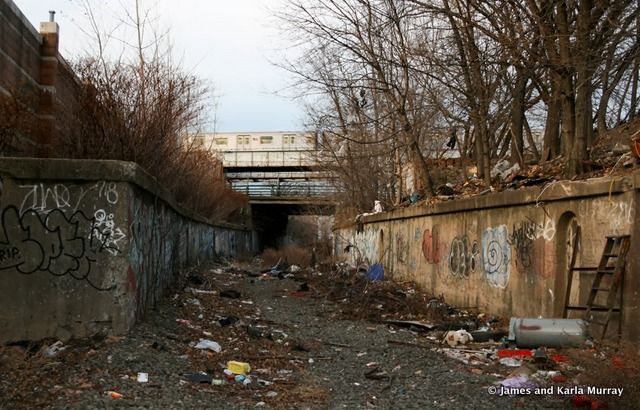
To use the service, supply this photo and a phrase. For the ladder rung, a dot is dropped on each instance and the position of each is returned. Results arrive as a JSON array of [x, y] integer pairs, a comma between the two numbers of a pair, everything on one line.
[[601, 289], [600, 307], [593, 307], [610, 254], [597, 322], [617, 236]]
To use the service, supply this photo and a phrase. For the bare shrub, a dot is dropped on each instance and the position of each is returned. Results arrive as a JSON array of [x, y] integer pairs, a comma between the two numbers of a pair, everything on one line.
[[18, 122], [126, 115]]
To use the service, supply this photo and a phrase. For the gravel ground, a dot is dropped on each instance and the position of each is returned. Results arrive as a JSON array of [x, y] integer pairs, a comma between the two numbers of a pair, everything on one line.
[[304, 350]]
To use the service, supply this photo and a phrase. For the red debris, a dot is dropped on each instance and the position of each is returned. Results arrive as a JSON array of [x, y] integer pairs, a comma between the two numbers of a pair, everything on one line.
[[559, 358], [561, 378], [581, 400], [515, 353], [617, 362]]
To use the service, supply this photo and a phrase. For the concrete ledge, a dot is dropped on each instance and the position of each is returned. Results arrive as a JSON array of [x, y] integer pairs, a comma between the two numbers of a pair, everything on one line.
[[53, 169], [555, 191]]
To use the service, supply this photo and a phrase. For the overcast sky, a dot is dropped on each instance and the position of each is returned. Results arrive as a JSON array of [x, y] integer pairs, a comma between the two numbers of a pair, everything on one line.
[[229, 43]]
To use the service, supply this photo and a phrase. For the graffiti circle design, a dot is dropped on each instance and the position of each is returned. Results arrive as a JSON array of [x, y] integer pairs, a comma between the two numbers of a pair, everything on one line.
[[496, 256]]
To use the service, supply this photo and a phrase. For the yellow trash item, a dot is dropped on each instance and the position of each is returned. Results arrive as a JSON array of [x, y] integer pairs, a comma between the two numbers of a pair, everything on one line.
[[238, 367]]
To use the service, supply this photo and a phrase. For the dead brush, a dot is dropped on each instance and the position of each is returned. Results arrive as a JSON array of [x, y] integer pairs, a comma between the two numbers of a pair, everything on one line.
[[291, 254], [128, 114]]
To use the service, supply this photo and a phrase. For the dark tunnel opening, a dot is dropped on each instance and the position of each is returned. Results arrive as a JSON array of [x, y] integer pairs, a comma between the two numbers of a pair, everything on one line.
[[270, 220]]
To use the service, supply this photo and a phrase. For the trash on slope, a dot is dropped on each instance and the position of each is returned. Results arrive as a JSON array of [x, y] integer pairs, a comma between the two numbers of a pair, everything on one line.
[[205, 344]]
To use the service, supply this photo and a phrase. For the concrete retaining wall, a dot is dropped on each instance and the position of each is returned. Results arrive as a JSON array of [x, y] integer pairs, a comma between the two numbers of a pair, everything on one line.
[[507, 253], [89, 246]]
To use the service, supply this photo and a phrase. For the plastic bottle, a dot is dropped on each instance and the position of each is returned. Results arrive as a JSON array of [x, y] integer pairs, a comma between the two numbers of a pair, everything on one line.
[[238, 367]]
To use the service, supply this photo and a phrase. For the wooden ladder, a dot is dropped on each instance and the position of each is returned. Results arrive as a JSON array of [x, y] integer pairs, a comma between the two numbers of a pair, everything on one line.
[[612, 264]]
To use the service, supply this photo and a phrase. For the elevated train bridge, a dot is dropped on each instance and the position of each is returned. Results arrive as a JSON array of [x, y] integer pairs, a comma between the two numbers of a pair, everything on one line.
[[280, 174]]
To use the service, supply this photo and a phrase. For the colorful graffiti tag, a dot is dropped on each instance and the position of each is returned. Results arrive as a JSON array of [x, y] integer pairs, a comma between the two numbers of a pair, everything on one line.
[[463, 256], [496, 256]]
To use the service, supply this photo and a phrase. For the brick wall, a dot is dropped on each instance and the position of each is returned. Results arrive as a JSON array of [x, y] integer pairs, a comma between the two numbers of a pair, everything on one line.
[[33, 73]]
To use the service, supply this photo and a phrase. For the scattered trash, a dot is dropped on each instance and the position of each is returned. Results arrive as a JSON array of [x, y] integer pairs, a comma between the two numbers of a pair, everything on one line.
[[510, 362], [533, 332], [143, 377], [294, 268], [194, 302], [455, 337], [195, 279], [377, 206], [198, 377], [259, 332], [503, 169], [617, 362], [410, 324], [227, 321], [467, 357], [271, 394], [303, 287], [217, 382], [230, 293], [54, 349], [514, 353], [482, 336], [114, 394], [200, 292], [376, 374], [559, 358], [208, 344], [238, 367], [517, 382], [375, 272]]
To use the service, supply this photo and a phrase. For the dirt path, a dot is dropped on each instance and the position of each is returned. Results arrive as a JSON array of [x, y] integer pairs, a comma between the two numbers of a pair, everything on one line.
[[303, 350]]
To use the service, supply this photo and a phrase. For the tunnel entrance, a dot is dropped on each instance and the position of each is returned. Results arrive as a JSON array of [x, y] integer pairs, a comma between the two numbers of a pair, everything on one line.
[[271, 222]]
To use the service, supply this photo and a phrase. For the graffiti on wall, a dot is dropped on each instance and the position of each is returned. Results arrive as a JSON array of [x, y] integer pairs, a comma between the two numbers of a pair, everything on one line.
[[106, 231], [523, 239], [402, 249], [621, 217], [44, 198], [430, 248], [463, 256], [54, 243], [496, 256]]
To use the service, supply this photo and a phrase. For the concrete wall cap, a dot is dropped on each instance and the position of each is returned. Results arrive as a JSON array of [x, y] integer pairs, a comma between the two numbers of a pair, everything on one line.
[[96, 170], [554, 191]]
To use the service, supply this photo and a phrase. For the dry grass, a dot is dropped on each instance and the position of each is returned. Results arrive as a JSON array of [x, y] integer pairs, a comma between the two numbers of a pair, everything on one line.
[[292, 254]]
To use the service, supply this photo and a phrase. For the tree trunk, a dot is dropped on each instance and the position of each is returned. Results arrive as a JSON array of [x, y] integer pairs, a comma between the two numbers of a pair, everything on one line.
[[517, 118]]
